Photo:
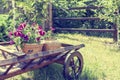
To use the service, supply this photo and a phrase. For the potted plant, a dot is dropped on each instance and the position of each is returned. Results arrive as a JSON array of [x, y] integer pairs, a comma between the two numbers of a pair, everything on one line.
[[50, 41], [28, 37]]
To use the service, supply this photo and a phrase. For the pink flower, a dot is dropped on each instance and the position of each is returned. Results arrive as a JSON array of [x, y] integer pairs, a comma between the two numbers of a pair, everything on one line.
[[38, 39], [40, 28], [34, 24], [21, 26], [10, 34], [11, 42], [17, 33], [52, 29]]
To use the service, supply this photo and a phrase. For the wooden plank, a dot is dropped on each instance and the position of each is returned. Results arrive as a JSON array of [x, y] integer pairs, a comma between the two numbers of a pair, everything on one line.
[[86, 30], [4, 43], [8, 69], [31, 67], [27, 57], [88, 7], [79, 8], [77, 18]]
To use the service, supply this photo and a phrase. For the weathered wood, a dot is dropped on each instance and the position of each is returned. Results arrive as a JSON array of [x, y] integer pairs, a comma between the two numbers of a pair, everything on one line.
[[3, 54], [79, 8], [77, 18], [4, 43], [88, 7], [28, 57], [86, 30], [116, 33], [29, 68], [9, 68], [50, 15], [36, 65]]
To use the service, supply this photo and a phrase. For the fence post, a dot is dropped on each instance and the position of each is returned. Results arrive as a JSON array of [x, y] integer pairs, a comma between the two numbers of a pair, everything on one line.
[[50, 15], [48, 22], [116, 33]]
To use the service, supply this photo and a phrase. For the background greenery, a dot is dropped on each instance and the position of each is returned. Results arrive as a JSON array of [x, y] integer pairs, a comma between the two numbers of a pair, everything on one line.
[[36, 11]]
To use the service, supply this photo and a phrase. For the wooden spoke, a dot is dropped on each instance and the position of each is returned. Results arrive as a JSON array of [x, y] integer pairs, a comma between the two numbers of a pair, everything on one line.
[[73, 65]]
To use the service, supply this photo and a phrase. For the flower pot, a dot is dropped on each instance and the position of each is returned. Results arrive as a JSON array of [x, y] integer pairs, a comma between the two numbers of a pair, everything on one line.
[[51, 45], [31, 48]]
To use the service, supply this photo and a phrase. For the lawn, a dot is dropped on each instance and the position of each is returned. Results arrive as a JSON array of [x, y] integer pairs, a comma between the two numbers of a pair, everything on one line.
[[101, 60]]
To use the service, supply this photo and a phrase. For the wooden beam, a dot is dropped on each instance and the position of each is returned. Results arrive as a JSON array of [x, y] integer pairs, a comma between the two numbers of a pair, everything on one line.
[[79, 8], [86, 30], [78, 18], [88, 7], [27, 57], [4, 43]]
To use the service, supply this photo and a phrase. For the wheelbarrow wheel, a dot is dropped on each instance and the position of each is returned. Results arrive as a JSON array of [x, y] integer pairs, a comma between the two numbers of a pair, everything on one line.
[[73, 65]]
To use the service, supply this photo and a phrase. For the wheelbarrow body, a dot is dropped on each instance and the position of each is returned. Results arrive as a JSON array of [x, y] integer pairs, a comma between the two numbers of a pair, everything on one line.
[[67, 55]]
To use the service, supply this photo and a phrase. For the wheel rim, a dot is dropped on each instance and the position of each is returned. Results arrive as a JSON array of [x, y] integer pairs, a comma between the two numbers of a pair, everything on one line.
[[73, 65]]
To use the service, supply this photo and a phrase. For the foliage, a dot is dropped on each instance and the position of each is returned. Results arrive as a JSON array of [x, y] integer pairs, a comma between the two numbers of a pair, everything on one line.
[[29, 10], [3, 27], [106, 14]]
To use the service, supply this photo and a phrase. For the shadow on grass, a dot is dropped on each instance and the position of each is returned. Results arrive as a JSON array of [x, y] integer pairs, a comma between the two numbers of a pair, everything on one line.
[[54, 72]]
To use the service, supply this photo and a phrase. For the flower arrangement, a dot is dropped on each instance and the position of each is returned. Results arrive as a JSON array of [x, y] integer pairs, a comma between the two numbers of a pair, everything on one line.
[[26, 33]]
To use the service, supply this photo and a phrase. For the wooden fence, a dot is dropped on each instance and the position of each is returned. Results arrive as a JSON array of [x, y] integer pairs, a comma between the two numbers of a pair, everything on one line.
[[114, 30]]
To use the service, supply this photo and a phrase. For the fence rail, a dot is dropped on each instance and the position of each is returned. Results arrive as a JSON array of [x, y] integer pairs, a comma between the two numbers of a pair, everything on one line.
[[114, 30], [86, 30], [77, 18]]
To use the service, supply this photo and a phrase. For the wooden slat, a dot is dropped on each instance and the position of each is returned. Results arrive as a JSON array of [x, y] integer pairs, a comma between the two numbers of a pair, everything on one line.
[[27, 57], [77, 18], [4, 43], [8, 69], [31, 67], [79, 8], [86, 30], [88, 7]]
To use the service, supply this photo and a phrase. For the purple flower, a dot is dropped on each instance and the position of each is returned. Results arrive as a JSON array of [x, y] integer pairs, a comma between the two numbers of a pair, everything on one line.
[[34, 24], [22, 35], [17, 33], [38, 39], [40, 28], [26, 38], [42, 33], [11, 42]]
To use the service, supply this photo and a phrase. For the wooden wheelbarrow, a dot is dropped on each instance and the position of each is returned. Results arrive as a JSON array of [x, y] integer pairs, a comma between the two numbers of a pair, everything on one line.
[[67, 55]]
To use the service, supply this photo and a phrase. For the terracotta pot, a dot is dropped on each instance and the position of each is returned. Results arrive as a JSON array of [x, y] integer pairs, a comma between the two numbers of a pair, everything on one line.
[[31, 48], [51, 45]]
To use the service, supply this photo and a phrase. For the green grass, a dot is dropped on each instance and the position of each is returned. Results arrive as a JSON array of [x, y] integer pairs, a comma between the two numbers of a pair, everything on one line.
[[101, 60]]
